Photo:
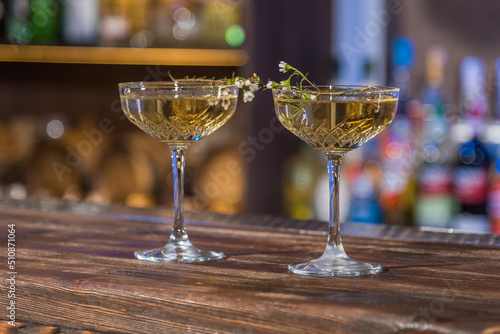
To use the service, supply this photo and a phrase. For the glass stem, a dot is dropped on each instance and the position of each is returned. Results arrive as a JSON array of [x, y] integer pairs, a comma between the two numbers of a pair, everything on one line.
[[334, 161], [178, 162]]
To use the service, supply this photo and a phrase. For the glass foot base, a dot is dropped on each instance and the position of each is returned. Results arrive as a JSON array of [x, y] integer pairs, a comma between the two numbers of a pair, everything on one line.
[[181, 252], [337, 267]]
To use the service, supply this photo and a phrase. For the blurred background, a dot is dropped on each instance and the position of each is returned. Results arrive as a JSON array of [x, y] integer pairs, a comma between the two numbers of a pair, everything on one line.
[[63, 135]]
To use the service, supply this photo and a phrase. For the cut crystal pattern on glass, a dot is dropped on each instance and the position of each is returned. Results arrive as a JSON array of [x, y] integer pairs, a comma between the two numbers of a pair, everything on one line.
[[343, 125]]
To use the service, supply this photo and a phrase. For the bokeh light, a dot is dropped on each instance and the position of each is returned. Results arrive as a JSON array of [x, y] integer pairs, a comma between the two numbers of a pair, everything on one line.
[[394, 150], [431, 147], [235, 35], [55, 129], [467, 149], [184, 23]]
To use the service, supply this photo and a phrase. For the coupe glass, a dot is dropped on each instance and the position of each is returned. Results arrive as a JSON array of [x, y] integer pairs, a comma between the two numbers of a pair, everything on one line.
[[178, 113], [335, 120]]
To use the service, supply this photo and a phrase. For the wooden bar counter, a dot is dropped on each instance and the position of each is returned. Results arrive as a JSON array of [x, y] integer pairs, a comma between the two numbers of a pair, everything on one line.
[[75, 273]]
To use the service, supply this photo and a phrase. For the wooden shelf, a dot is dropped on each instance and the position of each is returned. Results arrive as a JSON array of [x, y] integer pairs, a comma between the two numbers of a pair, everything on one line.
[[122, 56]]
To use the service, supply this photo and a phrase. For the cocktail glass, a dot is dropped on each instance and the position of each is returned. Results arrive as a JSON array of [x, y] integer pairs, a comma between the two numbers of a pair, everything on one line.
[[178, 113], [335, 120]]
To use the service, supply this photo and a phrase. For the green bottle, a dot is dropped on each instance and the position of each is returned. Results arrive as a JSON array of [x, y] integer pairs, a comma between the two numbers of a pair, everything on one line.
[[17, 22], [45, 21]]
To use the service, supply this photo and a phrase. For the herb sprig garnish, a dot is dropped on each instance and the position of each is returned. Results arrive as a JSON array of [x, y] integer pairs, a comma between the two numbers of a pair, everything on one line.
[[306, 93], [252, 84], [249, 85], [287, 84]]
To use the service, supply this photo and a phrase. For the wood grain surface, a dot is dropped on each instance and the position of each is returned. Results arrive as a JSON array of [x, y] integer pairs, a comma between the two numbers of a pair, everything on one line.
[[77, 274]]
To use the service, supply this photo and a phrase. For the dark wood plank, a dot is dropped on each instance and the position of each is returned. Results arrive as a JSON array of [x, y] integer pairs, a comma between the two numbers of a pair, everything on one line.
[[78, 272], [24, 328]]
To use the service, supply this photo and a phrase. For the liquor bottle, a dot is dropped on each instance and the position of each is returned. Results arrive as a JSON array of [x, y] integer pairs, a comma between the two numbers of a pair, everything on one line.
[[219, 19], [492, 139], [115, 25], [301, 173], [364, 204], [124, 175], [80, 22], [45, 21], [434, 202], [493, 200], [49, 175], [162, 23], [397, 144], [471, 172], [3, 14], [17, 22], [140, 17], [219, 184], [17, 144], [59, 166]]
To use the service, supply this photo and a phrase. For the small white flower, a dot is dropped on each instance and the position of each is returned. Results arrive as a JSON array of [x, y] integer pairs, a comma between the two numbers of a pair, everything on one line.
[[239, 82], [224, 91], [282, 66], [269, 85], [226, 103], [248, 82], [253, 87], [212, 102], [248, 96]]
